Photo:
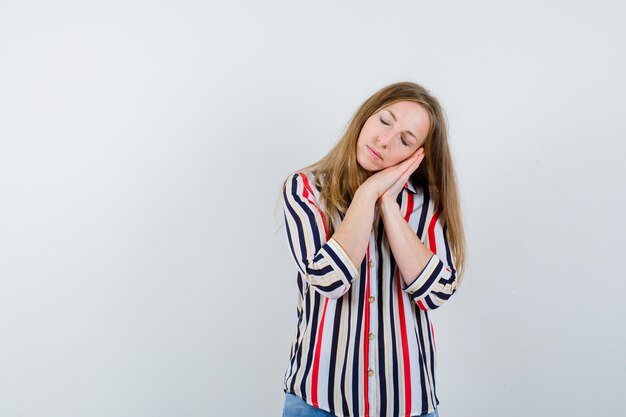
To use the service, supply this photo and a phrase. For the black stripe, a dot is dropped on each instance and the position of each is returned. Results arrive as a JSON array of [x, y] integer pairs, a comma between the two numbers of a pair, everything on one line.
[[443, 295], [321, 271], [382, 377], [356, 388], [431, 352], [307, 309], [425, 205], [331, 287], [394, 352], [420, 341], [344, 403], [300, 284], [295, 346], [309, 357], [333, 352], [429, 302], [448, 252]]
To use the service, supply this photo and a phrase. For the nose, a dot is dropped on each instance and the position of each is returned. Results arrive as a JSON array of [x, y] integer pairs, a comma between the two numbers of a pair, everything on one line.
[[384, 139]]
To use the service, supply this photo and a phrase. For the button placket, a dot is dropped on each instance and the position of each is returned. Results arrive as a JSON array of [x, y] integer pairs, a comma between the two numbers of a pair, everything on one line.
[[373, 319]]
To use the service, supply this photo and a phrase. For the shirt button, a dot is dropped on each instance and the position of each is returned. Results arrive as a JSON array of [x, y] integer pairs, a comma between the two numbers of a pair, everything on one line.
[[371, 299], [371, 336], [371, 263], [370, 372]]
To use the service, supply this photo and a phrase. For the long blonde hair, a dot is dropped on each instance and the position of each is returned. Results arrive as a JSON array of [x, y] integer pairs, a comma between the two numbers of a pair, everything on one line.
[[339, 175]]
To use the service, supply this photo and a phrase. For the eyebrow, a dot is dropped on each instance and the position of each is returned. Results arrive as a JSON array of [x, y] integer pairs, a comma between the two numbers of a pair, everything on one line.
[[407, 131]]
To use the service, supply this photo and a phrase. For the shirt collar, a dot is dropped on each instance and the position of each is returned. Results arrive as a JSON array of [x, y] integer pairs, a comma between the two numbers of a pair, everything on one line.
[[409, 185]]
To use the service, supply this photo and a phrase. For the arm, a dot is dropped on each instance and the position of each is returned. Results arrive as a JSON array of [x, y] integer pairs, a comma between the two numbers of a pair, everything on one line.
[[428, 272], [328, 263]]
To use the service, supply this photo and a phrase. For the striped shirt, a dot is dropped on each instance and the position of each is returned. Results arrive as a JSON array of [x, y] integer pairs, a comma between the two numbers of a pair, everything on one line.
[[364, 344]]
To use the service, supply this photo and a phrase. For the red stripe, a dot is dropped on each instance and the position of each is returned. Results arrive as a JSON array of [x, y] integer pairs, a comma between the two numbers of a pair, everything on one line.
[[431, 232], [318, 340], [405, 349], [403, 333], [409, 207], [316, 357], [366, 332], [309, 191]]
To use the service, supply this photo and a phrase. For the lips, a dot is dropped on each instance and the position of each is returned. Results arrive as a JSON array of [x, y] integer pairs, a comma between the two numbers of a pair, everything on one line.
[[377, 154]]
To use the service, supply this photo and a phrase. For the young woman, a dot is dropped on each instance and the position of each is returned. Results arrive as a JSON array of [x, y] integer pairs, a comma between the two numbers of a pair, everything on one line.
[[375, 231]]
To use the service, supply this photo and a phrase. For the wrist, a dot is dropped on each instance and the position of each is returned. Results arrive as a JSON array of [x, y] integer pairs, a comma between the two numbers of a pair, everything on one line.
[[388, 205], [366, 193]]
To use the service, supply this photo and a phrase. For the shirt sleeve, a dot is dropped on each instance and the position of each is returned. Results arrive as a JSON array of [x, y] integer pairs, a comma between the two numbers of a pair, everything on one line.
[[321, 260], [437, 282]]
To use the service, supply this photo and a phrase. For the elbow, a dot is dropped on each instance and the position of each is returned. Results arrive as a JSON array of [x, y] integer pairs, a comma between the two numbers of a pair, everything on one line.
[[331, 281], [334, 289], [445, 287], [433, 300], [333, 295]]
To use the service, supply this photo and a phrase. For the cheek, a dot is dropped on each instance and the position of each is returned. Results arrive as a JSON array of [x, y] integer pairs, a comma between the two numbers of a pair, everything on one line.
[[399, 156], [369, 127]]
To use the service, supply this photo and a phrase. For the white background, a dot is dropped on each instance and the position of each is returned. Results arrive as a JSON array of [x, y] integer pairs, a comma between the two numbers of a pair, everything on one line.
[[144, 268]]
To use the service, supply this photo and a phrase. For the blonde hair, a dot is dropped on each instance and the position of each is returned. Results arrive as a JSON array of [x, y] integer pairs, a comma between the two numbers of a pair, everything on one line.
[[338, 174]]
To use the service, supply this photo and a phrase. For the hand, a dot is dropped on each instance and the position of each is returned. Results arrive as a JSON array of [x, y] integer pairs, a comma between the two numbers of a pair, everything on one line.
[[381, 181], [414, 161]]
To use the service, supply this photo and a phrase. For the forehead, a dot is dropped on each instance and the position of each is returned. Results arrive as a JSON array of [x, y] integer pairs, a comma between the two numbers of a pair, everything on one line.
[[407, 110], [409, 114]]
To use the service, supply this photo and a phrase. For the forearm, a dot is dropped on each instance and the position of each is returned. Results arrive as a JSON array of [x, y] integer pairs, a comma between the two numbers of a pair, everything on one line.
[[356, 227], [410, 254]]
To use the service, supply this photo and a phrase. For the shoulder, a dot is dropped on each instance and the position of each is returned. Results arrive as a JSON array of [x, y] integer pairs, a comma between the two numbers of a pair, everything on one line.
[[301, 176], [302, 182]]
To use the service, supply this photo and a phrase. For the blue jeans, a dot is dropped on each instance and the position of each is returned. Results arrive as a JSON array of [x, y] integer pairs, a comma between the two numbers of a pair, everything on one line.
[[297, 407]]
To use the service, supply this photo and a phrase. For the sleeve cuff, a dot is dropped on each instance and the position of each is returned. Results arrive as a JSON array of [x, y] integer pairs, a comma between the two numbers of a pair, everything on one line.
[[341, 261], [425, 279]]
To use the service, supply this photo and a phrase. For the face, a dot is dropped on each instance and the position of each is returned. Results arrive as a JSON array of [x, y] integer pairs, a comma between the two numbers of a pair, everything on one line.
[[394, 133]]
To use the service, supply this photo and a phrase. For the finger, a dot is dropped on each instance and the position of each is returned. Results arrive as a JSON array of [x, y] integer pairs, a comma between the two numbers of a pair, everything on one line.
[[417, 154], [408, 162], [407, 171], [413, 159], [416, 163]]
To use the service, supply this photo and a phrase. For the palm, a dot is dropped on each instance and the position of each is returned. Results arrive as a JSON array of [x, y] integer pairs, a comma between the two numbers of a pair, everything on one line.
[[395, 189], [388, 183], [391, 193]]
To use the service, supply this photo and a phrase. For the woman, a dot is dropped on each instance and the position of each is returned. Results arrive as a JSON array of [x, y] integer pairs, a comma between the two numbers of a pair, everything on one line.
[[373, 228]]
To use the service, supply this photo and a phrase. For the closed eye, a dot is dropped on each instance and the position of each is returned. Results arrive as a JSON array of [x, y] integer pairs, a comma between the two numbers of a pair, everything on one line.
[[387, 124]]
